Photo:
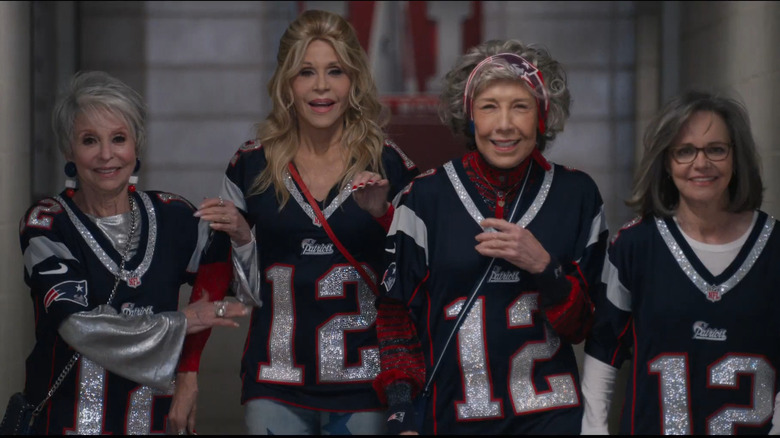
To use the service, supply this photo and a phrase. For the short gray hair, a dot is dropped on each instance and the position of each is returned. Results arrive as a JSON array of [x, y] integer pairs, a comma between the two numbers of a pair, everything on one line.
[[98, 91], [654, 190], [451, 109]]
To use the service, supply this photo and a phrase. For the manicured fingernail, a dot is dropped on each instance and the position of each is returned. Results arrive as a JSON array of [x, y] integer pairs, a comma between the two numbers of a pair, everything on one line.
[[197, 213], [354, 187]]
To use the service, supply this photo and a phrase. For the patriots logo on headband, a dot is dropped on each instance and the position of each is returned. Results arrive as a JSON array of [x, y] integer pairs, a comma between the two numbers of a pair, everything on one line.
[[74, 291], [522, 69]]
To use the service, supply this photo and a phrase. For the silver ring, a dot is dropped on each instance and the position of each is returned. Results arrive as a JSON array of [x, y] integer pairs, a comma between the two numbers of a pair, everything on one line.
[[221, 201], [220, 308], [225, 219], [182, 432]]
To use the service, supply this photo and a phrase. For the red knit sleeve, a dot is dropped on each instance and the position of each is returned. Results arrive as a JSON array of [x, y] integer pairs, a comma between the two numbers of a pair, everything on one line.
[[386, 219], [400, 351], [213, 279]]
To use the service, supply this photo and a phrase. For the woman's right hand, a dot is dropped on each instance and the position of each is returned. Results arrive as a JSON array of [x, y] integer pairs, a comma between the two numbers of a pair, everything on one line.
[[224, 216], [181, 417], [204, 314]]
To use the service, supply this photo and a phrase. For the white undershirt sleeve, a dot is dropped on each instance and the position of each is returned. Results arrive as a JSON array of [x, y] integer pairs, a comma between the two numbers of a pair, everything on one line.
[[598, 387], [775, 430]]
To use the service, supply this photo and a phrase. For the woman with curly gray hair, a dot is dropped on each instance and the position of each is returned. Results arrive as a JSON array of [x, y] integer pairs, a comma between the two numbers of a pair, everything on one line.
[[492, 257]]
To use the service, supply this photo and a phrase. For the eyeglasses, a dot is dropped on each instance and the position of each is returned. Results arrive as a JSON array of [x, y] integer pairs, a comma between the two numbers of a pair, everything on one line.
[[713, 151]]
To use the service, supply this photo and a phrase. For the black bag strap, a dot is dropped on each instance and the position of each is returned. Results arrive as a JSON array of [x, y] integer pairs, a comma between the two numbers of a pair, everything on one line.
[[464, 311], [133, 226]]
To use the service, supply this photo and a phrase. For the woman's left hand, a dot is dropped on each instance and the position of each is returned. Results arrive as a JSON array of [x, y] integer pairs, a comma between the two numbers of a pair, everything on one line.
[[224, 216], [514, 244], [182, 415], [370, 191]]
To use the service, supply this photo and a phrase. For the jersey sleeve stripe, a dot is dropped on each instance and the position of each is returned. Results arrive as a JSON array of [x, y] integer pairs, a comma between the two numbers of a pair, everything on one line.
[[598, 226], [231, 192], [617, 294], [204, 233], [41, 248], [407, 222]]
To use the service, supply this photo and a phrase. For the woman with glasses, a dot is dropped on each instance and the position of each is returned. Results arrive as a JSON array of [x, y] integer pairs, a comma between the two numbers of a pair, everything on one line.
[[691, 284]]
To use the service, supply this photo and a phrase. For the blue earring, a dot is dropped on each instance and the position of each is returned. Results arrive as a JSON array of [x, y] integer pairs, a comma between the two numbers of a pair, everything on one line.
[[470, 127], [70, 181]]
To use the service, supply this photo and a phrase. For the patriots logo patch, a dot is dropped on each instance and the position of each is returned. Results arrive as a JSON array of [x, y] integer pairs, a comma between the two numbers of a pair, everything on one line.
[[388, 280], [398, 416], [71, 290]]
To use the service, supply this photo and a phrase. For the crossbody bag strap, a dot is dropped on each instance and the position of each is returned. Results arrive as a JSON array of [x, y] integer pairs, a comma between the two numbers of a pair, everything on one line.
[[470, 300], [134, 217], [324, 222]]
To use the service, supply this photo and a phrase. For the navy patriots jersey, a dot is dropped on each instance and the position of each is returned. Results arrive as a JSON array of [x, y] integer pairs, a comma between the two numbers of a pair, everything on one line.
[[68, 267], [705, 349], [313, 342], [507, 371]]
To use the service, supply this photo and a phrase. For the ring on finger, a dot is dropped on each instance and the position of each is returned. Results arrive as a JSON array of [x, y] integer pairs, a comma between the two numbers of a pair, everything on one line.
[[225, 219], [221, 201], [182, 432], [220, 308]]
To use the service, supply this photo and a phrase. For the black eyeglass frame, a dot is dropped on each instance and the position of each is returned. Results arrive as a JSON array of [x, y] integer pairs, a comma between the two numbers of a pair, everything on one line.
[[728, 147]]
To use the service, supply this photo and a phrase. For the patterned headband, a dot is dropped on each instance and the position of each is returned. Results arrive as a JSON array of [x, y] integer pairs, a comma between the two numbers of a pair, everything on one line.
[[523, 70]]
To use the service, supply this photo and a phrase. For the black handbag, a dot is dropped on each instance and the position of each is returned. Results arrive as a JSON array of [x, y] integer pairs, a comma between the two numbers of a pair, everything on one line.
[[19, 416]]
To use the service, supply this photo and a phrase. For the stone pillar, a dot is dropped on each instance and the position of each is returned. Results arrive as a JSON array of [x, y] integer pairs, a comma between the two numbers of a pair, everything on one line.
[[731, 48], [16, 317]]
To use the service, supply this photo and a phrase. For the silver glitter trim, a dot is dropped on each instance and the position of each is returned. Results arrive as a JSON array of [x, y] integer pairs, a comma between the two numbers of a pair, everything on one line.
[[473, 211], [139, 413], [281, 367], [301, 200], [101, 254], [525, 399], [477, 392], [675, 404], [725, 374], [407, 161], [331, 336], [715, 292], [533, 210], [463, 195], [89, 407], [38, 219]]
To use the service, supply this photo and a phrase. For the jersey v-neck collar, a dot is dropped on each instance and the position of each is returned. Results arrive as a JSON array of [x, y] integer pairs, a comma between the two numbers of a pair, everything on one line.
[[714, 287]]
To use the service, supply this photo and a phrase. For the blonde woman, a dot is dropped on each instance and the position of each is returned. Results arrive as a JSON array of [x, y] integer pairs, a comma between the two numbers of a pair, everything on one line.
[[311, 353]]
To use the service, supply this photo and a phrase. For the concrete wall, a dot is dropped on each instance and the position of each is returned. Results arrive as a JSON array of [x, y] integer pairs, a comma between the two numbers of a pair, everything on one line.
[[731, 47], [16, 313]]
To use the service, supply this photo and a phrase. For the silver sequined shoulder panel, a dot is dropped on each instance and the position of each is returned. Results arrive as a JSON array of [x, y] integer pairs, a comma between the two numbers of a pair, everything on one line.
[[714, 292], [474, 212], [407, 161], [101, 254], [301, 199]]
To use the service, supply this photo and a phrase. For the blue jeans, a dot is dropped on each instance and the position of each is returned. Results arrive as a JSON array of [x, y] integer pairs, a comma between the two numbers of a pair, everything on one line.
[[269, 417]]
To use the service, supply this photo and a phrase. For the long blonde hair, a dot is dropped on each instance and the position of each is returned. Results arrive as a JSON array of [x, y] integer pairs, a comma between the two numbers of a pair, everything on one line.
[[364, 119]]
